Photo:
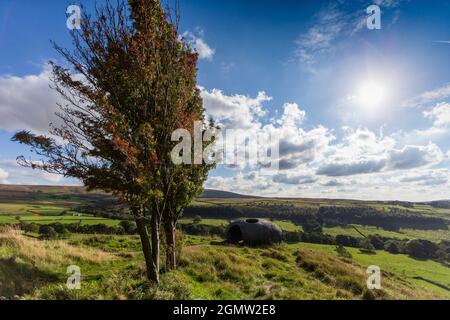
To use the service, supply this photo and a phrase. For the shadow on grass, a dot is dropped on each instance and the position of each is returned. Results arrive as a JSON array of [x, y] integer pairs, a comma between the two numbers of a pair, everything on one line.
[[19, 278]]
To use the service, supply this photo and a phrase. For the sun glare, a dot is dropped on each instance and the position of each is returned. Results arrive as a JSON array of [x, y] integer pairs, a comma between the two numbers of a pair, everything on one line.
[[371, 94]]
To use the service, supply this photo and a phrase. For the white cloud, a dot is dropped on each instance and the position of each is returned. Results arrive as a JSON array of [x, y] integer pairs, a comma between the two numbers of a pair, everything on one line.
[[299, 146], [292, 115], [3, 176], [16, 174], [411, 157], [251, 183], [296, 178], [330, 23], [428, 97], [440, 114], [333, 22], [427, 178], [27, 102], [234, 111], [199, 44], [363, 152]]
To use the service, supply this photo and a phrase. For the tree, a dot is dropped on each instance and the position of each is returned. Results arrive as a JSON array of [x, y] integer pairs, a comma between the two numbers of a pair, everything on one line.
[[132, 82], [197, 219], [47, 232], [128, 226], [421, 249], [376, 241], [312, 225], [391, 246]]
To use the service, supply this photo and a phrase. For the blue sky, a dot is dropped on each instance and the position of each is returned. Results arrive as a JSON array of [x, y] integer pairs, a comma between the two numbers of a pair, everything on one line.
[[307, 69]]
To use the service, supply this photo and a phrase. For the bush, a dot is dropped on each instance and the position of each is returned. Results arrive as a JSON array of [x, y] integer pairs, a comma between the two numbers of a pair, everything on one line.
[[366, 246], [421, 249], [59, 227], [347, 241], [29, 227], [376, 241], [197, 219], [202, 230], [129, 227], [392, 246], [47, 232], [312, 226], [342, 252], [443, 253]]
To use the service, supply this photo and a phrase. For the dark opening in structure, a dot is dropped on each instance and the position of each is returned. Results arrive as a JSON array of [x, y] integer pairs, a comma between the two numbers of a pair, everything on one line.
[[235, 234], [253, 231]]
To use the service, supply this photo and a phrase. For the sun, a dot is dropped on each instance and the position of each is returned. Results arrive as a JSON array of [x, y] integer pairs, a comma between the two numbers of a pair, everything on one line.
[[371, 94]]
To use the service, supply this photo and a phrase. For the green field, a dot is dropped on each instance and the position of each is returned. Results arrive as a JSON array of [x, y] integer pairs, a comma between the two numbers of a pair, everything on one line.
[[113, 268], [432, 235], [400, 265]]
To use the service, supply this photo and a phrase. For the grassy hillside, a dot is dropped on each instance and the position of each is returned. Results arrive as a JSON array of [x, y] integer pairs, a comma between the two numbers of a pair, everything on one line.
[[112, 264], [111, 269]]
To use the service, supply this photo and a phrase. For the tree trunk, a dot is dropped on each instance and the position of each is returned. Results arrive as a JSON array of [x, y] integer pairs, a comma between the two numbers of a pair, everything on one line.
[[155, 223], [152, 273], [169, 230]]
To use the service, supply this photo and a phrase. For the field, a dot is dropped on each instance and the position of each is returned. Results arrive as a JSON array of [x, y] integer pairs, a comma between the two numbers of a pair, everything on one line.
[[112, 264]]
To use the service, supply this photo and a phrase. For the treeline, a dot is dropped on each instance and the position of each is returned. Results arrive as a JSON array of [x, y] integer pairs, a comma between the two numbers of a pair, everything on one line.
[[416, 248], [444, 204], [105, 212], [57, 229], [328, 215], [392, 220], [230, 212]]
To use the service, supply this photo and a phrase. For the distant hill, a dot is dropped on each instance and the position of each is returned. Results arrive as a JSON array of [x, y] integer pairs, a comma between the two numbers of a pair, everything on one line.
[[443, 204], [209, 193], [27, 190]]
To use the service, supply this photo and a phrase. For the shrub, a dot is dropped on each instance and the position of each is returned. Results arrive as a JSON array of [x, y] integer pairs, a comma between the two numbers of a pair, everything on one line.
[[47, 232], [347, 241], [366, 245], [421, 249], [376, 241], [128, 226], [391, 246], [197, 219], [312, 226], [29, 227], [342, 252], [59, 227]]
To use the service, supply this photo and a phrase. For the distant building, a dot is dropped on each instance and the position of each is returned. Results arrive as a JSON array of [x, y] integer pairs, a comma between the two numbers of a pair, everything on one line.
[[253, 232]]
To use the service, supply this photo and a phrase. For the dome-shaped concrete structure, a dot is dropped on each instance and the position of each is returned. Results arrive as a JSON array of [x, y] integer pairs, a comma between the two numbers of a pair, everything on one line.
[[253, 232]]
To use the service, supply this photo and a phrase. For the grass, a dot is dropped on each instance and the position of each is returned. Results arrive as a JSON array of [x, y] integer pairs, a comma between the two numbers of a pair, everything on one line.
[[288, 226], [402, 266], [432, 235], [48, 252], [69, 220], [112, 268]]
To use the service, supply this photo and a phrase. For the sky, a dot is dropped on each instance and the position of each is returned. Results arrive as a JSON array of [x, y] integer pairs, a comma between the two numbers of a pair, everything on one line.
[[360, 113]]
